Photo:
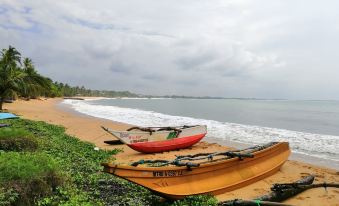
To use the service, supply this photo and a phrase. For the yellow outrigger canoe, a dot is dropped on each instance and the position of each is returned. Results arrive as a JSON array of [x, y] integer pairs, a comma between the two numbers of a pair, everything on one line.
[[220, 173]]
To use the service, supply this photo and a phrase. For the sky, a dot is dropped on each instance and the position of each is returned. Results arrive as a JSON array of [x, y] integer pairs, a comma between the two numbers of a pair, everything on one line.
[[228, 48]]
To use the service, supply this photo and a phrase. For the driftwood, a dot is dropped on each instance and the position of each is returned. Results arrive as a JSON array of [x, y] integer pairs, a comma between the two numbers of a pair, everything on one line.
[[281, 192]]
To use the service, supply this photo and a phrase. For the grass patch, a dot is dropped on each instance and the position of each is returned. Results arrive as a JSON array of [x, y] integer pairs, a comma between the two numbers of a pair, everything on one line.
[[10, 132], [29, 176], [16, 140], [198, 200], [24, 166]]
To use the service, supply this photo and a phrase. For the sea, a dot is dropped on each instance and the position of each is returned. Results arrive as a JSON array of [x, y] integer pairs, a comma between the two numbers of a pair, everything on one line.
[[311, 127]]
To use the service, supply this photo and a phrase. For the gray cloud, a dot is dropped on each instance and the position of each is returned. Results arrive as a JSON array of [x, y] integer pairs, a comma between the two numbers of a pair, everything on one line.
[[265, 49]]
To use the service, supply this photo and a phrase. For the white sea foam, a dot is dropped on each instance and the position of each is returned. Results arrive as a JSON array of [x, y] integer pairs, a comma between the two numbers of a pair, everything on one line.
[[141, 98], [322, 146]]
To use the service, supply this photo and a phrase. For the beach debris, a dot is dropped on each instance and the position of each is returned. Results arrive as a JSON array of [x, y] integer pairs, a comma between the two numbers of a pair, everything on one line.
[[4, 125], [7, 115], [280, 192]]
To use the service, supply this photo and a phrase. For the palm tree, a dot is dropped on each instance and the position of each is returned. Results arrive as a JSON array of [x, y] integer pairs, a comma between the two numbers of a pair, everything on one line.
[[35, 84], [11, 76]]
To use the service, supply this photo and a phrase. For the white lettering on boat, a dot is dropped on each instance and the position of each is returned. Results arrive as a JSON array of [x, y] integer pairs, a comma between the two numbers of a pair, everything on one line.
[[138, 138], [135, 137], [169, 173], [124, 135]]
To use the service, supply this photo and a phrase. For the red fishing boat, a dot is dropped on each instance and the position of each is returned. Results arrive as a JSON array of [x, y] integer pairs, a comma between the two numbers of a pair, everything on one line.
[[160, 139]]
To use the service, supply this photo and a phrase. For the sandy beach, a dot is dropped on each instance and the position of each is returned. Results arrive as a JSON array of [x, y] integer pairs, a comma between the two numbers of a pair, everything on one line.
[[88, 129]]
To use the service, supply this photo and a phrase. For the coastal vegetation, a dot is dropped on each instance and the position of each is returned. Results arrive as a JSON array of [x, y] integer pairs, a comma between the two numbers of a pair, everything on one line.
[[45, 166]]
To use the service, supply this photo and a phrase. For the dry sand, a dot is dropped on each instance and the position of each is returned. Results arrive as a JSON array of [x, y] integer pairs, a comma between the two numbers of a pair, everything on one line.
[[88, 128]]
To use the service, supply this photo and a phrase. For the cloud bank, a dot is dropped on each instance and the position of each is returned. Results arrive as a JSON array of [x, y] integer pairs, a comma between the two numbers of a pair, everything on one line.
[[243, 48]]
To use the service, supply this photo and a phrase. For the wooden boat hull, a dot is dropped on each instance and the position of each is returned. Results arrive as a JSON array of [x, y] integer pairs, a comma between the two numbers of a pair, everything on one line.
[[161, 141], [212, 178]]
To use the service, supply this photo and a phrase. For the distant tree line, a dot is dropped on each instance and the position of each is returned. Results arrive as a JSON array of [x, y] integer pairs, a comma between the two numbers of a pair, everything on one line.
[[19, 78], [66, 90]]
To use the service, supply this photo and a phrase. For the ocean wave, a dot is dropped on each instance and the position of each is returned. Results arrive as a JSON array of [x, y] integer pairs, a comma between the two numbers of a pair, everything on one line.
[[317, 145]]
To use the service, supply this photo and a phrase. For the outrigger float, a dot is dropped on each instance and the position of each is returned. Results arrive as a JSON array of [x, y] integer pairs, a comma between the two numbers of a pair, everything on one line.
[[204, 173], [160, 139]]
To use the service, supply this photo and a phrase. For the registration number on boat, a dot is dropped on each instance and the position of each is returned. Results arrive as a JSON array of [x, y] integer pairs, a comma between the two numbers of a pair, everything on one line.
[[169, 173]]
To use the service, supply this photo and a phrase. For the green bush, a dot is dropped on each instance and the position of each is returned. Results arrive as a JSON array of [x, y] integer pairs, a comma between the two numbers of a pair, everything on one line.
[[68, 196], [30, 175], [16, 140]]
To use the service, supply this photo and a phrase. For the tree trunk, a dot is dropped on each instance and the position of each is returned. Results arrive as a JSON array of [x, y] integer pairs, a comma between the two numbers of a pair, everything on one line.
[[1, 103]]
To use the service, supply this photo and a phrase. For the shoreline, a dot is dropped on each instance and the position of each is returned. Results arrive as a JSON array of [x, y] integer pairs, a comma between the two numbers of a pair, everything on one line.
[[87, 128]]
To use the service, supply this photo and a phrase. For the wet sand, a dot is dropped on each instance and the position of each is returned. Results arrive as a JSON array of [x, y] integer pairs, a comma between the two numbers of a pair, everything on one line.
[[88, 129]]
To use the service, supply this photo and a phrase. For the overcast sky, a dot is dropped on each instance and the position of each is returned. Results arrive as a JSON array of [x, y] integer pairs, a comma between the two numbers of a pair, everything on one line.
[[236, 48]]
